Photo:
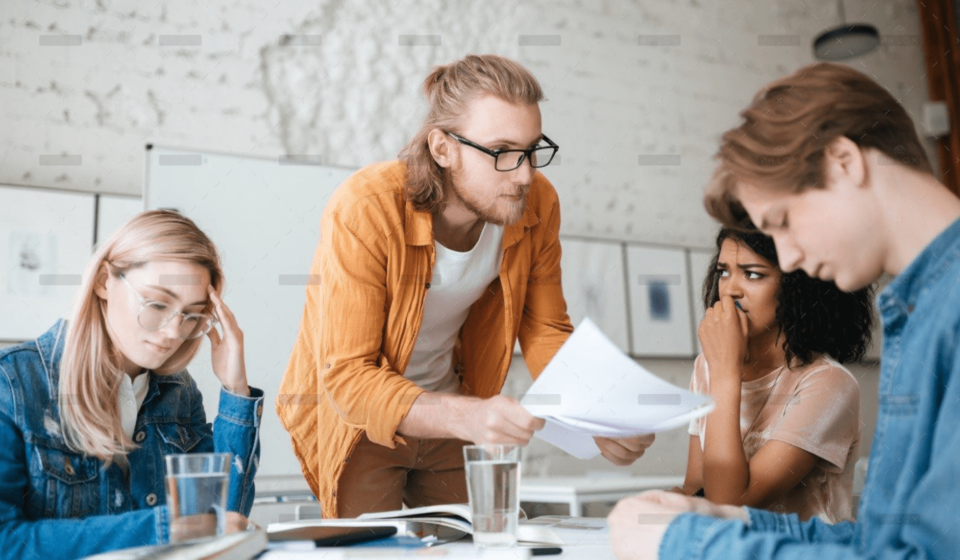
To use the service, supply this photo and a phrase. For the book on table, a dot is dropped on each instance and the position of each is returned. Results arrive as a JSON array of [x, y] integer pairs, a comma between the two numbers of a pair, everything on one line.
[[446, 522]]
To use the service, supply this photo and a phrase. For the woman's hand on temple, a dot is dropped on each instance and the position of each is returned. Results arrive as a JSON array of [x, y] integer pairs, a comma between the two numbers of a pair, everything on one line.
[[226, 352]]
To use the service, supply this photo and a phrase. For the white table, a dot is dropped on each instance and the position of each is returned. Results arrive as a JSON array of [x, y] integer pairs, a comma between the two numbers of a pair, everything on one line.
[[577, 490], [451, 551]]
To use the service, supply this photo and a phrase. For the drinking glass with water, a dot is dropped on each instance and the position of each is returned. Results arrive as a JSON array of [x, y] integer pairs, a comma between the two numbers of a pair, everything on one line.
[[197, 487], [493, 484]]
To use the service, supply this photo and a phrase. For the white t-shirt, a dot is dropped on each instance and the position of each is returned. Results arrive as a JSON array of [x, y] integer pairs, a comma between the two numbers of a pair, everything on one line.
[[459, 280], [131, 396]]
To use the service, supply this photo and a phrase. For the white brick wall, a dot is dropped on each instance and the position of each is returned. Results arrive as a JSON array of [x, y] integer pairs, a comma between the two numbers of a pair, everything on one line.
[[354, 97]]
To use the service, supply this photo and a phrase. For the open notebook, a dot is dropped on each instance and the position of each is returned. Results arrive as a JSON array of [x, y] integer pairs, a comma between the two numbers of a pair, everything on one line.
[[447, 522]]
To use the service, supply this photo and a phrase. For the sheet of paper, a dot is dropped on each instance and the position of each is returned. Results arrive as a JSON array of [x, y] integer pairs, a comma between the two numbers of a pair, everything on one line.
[[591, 388]]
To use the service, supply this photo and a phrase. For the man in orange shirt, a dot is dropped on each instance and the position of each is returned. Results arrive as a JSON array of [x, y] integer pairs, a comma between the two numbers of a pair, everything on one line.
[[427, 272]]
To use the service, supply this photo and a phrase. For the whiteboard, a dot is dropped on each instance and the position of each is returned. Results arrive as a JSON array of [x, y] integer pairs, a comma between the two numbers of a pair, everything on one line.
[[46, 237], [264, 216], [113, 212]]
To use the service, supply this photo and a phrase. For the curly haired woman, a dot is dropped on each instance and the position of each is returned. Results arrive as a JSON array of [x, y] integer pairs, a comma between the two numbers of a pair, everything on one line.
[[785, 433]]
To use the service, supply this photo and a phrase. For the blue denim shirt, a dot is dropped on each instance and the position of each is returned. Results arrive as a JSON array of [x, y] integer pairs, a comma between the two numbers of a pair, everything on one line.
[[56, 503], [910, 505]]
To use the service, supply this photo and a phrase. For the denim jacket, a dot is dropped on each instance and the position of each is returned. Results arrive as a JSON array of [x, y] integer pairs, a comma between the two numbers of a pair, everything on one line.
[[910, 505], [57, 503]]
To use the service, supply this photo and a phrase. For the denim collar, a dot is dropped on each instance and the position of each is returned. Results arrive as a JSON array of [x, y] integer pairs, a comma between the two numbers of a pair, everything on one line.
[[903, 293], [156, 380], [50, 345]]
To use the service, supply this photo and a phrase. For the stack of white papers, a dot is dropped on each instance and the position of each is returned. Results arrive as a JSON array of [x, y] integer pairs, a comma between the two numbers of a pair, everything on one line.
[[591, 388]]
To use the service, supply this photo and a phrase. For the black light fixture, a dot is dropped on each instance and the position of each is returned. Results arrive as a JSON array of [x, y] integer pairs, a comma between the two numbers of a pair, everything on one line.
[[846, 40]]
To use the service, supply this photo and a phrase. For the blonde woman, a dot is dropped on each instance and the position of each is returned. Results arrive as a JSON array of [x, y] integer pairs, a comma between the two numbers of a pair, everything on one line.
[[89, 409]]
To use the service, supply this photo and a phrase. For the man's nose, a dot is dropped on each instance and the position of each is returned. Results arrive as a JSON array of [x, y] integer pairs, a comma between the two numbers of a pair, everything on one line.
[[789, 253], [524, 174]]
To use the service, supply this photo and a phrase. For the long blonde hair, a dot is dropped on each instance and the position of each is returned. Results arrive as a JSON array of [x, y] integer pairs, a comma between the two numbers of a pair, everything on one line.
[[449, 89], [90, 368]]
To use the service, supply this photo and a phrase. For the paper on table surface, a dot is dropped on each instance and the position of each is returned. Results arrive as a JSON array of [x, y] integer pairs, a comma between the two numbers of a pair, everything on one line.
[[591, 388]]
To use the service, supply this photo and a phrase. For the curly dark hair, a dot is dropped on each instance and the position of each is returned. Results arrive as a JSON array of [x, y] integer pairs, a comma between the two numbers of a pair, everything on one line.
[[815, 316]]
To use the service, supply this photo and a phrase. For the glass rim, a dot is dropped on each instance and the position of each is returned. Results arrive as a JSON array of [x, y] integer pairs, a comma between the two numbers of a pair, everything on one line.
[[526, 154], [202, 454], [525, 158], [195, 463], [147, 304]]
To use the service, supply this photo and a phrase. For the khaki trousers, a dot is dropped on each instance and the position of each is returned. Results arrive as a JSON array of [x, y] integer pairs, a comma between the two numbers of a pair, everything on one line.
[[424, 472]]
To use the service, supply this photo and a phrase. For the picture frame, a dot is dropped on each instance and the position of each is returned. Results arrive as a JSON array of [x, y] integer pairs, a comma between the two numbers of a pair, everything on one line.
[[660, 312], [46, 238]]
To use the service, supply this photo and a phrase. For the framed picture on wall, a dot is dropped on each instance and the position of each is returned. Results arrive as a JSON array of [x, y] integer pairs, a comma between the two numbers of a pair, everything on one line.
[[593, 286], [699, 261], [46, 238], [658, 287]]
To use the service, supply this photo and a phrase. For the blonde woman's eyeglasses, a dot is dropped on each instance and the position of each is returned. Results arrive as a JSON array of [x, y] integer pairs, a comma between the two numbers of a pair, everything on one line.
[[155, 315]]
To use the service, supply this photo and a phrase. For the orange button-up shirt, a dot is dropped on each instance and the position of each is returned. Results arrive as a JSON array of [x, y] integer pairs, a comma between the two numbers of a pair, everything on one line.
[[364, 307]]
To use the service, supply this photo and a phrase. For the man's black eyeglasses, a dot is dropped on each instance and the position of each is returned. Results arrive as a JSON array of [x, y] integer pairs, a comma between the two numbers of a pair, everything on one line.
[[508, 160]]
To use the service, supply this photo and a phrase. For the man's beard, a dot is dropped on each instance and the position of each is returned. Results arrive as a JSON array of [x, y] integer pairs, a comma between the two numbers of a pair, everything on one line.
[[490, 214]]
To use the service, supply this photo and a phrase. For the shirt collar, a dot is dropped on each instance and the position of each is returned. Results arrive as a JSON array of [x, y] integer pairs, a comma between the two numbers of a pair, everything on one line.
[[926, 269]]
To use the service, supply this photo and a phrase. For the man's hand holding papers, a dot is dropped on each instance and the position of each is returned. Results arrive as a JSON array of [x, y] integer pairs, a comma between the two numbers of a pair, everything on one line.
[[622, 452]]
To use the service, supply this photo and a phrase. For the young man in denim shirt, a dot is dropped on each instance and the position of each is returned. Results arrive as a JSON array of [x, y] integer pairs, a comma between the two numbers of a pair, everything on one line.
[[828, 164]]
